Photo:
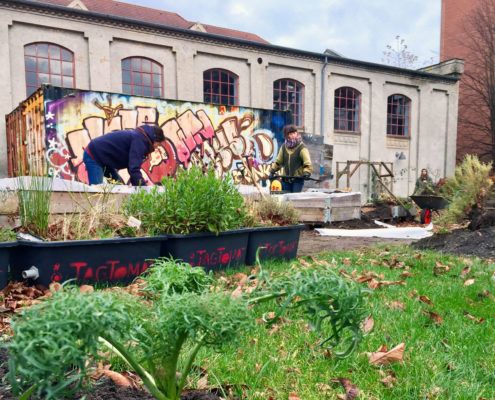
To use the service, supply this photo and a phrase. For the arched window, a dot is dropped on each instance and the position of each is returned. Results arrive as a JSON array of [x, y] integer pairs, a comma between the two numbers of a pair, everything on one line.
[[142, 77], [220, 87], [48, 63], [398, 115], [288, 94], [347, 110]]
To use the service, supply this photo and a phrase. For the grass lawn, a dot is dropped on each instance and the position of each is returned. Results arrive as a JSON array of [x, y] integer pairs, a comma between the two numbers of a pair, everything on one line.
[[443, 311]]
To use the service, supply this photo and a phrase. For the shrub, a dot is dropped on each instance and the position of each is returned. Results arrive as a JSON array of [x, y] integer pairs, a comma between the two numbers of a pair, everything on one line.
[[7, 235], [192, 201], [465, 189], [269, 211]]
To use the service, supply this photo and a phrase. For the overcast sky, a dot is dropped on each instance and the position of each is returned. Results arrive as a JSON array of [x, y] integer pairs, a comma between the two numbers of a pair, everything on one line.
[[358, 29]]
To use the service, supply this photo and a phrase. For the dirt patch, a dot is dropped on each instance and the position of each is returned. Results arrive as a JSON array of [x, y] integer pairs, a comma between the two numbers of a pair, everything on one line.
[[479, 243], [104, 389], [311, 243]]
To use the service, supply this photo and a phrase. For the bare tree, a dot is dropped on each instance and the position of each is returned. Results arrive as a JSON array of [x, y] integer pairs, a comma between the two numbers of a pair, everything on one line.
[[477, 89], [398, 55]]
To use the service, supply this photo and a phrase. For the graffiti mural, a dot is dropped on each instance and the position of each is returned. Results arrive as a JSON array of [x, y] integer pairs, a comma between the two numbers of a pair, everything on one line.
[[236, 140]]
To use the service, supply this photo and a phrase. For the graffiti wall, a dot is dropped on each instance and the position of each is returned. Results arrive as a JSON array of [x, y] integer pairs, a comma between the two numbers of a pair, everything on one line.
[[242, 141]]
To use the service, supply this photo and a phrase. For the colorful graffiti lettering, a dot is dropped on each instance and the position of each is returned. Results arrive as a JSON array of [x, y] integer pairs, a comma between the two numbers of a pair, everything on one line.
[[241, 141]]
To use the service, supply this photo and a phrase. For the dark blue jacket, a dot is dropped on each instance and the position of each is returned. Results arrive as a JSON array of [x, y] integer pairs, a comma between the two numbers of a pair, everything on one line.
[[124, 149]]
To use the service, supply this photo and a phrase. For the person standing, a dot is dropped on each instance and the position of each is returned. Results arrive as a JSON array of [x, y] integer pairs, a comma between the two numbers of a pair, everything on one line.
[[424, 184], [106, 154], [294, 160]]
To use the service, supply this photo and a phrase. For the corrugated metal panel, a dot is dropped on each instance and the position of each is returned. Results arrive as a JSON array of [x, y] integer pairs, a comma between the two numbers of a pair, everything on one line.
[[26, 138], [16, 154], [33, 113]]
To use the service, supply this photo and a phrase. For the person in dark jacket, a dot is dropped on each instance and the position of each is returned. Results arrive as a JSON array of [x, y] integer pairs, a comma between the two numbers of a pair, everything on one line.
[[294, 160], [106, 154]]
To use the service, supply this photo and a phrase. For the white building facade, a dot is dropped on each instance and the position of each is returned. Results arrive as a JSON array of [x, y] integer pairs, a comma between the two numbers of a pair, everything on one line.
[[366, 112]]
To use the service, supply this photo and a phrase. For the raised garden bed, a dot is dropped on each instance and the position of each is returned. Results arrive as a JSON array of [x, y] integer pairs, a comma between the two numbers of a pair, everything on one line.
[[209, 250], [105, 261], [278, 242], [6, 249]]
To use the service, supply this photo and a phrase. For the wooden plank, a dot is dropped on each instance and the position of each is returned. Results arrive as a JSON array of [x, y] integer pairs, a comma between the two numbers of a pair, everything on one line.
[[344, 213], [67, 202], [314, 215]]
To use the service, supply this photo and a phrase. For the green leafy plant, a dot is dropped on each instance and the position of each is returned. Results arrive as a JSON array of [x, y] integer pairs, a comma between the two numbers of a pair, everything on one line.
[[34, 203], [192, 201], [334, 307], [54, 340], [7, 235], [169, 276], [465, 189], [268, 211]]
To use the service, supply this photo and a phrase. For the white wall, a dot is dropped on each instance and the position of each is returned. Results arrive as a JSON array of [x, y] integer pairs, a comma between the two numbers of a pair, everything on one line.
[[99, 49]]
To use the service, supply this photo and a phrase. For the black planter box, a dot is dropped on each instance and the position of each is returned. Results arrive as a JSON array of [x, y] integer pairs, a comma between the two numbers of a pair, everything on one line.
[[279, 242], [6, 248], [105, 261], [208, 250]]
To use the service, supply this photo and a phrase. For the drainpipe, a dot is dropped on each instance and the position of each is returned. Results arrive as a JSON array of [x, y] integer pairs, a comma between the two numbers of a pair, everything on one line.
[[370, 124], [322, 103], [418, 167], [31, 273]]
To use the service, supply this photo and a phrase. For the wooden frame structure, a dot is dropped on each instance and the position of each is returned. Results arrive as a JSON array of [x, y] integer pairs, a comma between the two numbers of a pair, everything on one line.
[[381, 170]]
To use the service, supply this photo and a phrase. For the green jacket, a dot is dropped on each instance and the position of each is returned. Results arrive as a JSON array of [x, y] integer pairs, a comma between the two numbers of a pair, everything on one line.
[[424, 187], [293, 162]]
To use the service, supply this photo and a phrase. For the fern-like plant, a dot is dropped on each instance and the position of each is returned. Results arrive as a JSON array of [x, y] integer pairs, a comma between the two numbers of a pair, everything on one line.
[[464, 190]]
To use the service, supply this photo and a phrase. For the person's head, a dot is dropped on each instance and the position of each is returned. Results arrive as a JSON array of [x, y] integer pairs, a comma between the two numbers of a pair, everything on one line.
[[424, 173], [155, 133], [290, 132]]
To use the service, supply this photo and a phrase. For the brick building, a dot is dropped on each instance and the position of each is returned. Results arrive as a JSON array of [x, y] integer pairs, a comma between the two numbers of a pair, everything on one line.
[[364, 111], [456, 42]]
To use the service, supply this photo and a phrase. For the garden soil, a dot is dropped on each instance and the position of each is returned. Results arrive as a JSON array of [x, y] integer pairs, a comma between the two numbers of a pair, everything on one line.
[[104, 390], [480, 243]]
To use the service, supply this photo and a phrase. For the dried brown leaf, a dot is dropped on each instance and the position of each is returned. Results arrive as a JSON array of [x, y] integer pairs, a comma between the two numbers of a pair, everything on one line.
[[86, 289], [381, 357], [469, 282], [116, 377], [293, 396], [368, 324], [351, 390], [237, 292], [389, 380], [55, 287], [436, 318], [465, 271], [397, 305], [473, 318], [426, 300], [202, 382], [406, 274]]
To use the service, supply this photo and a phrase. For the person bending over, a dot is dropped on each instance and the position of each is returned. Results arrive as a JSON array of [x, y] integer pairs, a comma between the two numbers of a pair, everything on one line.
[[106, 154]]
